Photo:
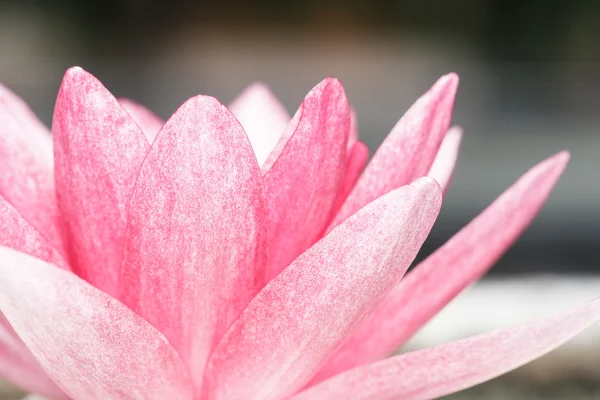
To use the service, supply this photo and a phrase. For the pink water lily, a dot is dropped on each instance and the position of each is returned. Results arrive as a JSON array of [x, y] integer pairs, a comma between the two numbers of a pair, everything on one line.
[[238, 253]]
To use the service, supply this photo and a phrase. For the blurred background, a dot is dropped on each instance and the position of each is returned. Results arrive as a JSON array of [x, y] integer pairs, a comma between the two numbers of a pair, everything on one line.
[[530, 87]]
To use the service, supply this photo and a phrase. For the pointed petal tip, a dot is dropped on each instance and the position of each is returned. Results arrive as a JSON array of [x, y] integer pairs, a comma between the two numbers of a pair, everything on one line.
[[332, 83], [555, 164], [429, 185], [447, 85]]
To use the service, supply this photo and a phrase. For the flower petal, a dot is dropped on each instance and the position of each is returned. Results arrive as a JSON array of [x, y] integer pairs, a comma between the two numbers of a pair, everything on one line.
[[98, 153], [442, 370], [300, 317], [148, 122], [27, 179], [28, 122], [197, 230], [304, 175], [19, 234], [19, 366], [409, 150], [445, 273], [353, 132], [356, 161], [263, 117], [90, 344], [444, 164]]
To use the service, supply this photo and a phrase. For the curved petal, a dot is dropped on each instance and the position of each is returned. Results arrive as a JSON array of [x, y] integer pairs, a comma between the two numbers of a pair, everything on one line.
[[98, 153], [444, 164], [197, 235], [410, 148], [305, 173], [300, 317], [19, 366], [263, 117], [445, 273], [442, 370], [148, 122], [27, 179], [19, 234], [90, 344]]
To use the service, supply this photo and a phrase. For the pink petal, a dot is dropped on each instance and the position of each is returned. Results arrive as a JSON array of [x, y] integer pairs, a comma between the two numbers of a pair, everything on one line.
[[27, 179], [300, 317], [455, 366], [30, 125], [444, 164], [197, 233], [444, 274], [356, 161], [18, 366], [410, 148], [353, 133], [17, 233], [263, 117], [90, 344], [98, 153], [148, 122], [305, 173]]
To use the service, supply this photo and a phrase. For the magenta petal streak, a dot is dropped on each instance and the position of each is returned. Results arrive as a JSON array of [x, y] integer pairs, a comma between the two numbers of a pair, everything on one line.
[[302, 315]]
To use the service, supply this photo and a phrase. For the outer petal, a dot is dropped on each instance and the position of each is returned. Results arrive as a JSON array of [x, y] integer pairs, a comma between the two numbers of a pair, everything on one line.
[[98, 152], [149, 122], [444, 274], [410, 148], [455, 366], [17, 365], [19, 234], [263, 117], [446, 158], [90, 344], [27, 179], [197, 237], [305, 173], [299, 318]]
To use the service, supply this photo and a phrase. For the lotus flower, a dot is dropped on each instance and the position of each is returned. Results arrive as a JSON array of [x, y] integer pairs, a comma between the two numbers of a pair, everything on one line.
[[235, 253]]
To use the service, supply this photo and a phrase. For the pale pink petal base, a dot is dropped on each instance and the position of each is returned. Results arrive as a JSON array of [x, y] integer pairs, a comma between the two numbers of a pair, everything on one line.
[[444, 274], [90, 344], [301, 316], [455, 366]]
